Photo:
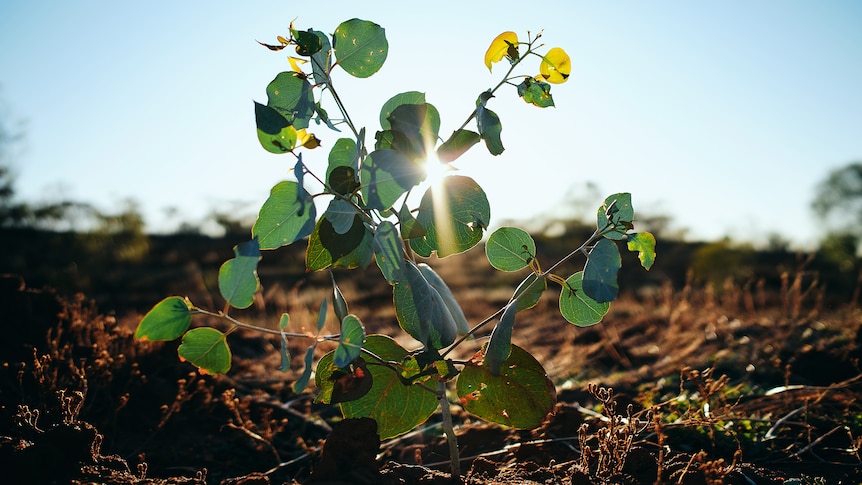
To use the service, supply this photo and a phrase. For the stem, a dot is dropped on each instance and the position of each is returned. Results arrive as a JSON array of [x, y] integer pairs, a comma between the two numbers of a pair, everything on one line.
[[239, 324], [341, 105], [449, 430], [545, 274], [572, 254]]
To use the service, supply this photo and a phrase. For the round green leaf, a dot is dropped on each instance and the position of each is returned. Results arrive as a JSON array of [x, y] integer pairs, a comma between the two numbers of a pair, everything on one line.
[[409, 97], [577, 307], [290, 94], [206, 348], [455, 214], [600, 272], [273, 130], [410, 227], [340, 214], [343, 165], [237, 277], [326, 247], [397, 407], [615, 216], [510, 249], [165, 321], [350, 383], [385, 176], [285, 217], [521, 396], [350, 343], [360, 47], [418, 123], [529, 293]]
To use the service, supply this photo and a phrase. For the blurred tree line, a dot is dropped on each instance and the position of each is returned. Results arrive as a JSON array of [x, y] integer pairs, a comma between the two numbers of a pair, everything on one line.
[[74, 247]]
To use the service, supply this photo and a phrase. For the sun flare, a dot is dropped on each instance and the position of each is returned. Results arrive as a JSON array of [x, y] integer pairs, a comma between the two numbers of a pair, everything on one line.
[[435, 170]]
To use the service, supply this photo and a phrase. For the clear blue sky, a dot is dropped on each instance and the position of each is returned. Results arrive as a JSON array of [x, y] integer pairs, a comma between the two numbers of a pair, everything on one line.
[[723, 115]]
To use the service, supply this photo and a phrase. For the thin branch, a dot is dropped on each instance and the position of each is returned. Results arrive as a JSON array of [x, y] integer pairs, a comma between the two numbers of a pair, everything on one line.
[[818, 440], [256, 328]]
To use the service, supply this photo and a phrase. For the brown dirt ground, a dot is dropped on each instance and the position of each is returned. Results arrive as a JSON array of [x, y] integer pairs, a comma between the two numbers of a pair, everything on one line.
[[690, 386]]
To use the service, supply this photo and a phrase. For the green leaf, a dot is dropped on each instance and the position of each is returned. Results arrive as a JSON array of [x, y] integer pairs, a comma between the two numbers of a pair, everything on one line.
[[300, 384], [421, 312], [520, 397], [616, 216], [343, 165], [529, 293], [237, 277], [347, 384], [415, 118], [342, 180], [285, 217], [489, 126], [273, 130], [307, 43], [454, 213], [290, 94], [510, 249], [500, 344], [389, 252], [420, 246], [536, 93], [397, 407], [323, 117], [600, 272], [339, 304], [360, 47], [320, 60], [321, 315], [420, 124], [328, 248], [410, 227], [167, 320], [299, 172], [206, 348], [385, 176], [577, 307], [350, 343], [341, 215], [397, 141], [458, 143], [446, 295], [409, 97], [644, 244]]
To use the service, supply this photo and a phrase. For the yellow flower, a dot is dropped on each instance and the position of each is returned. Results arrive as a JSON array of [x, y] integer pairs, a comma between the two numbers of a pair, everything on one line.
[[500, 48], [556, 66]]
